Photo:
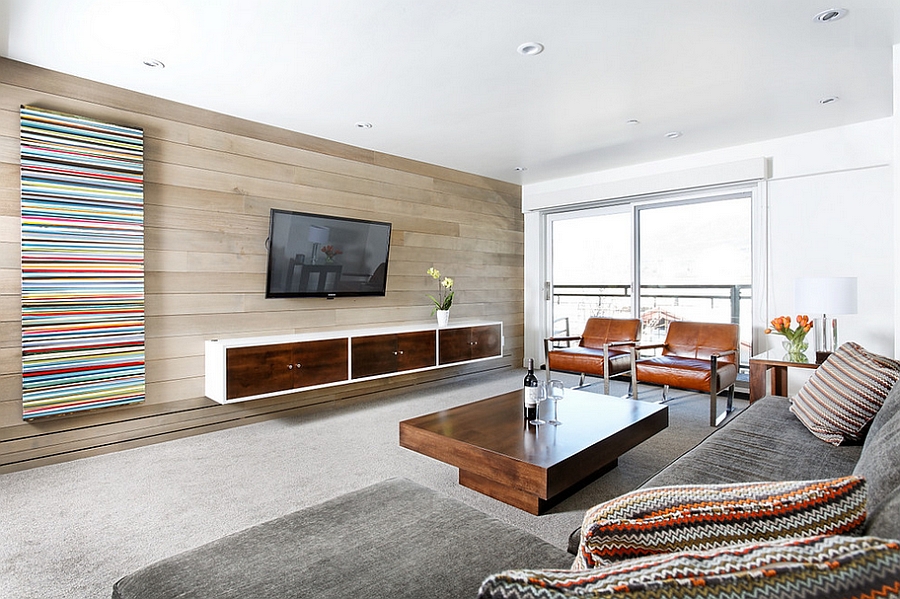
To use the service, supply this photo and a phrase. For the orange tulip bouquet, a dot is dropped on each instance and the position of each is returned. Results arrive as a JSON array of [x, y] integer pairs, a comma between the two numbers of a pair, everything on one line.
[[795, 339]]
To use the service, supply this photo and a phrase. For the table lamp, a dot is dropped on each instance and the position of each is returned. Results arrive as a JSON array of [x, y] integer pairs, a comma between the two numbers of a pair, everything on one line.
[[318, 236], [822, 298]]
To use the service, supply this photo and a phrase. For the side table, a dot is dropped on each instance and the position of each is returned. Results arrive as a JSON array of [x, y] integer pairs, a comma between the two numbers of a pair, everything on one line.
[[778, 362]]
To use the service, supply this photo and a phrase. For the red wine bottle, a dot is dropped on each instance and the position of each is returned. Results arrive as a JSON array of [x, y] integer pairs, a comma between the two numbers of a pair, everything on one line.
[[530, 392]]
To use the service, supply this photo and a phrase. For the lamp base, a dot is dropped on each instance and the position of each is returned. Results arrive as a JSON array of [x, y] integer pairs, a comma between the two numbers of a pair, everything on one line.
[[826, 336]]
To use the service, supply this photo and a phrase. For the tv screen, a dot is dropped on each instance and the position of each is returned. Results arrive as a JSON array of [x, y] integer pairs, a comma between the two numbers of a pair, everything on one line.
[[313, 255]]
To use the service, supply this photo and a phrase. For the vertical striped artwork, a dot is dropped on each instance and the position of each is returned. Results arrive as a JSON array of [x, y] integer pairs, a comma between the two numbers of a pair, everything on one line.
[[82, 264]]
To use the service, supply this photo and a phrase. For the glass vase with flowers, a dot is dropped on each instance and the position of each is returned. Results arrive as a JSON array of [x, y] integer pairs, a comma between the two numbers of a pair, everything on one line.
[[795, 343]]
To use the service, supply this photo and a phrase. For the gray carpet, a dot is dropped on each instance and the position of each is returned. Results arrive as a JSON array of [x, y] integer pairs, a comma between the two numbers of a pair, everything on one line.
[[71, 530]]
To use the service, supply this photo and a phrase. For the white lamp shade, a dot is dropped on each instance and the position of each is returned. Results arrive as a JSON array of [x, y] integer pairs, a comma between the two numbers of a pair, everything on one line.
[[825, 295], [318, 234]]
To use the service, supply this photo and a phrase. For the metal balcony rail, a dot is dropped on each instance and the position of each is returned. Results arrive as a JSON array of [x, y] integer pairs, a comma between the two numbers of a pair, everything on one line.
[[733, 293]]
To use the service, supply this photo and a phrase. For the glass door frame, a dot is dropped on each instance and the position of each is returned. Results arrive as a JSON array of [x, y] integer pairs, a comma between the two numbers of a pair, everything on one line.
[[551, 218], [759, 235]]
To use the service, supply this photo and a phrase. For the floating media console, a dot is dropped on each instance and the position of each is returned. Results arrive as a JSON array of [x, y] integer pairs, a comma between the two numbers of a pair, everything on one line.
[[254, 367]]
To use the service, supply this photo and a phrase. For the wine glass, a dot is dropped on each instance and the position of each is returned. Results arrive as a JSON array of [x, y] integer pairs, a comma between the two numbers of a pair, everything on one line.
[[555, 392], [541, 399]]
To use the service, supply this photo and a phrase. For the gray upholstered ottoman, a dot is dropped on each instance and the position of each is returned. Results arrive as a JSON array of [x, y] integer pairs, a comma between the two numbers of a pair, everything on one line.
[[394, 539]]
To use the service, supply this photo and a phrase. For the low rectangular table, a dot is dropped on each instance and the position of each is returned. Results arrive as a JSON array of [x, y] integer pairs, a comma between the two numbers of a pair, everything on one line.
[[533, 467]]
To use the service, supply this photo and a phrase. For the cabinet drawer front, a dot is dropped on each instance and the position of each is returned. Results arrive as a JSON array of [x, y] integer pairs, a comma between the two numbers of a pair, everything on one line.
[[258, 370], [320, 362]]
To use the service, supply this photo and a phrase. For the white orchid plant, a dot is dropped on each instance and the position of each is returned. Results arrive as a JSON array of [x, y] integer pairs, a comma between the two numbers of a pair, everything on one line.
[[445, 291]]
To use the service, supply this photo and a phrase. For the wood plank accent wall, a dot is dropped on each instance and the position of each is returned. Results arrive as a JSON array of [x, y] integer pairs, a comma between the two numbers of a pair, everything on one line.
[[210, 182]]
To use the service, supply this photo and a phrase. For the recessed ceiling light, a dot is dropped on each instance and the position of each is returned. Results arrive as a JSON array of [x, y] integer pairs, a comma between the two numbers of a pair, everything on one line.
[[829, 100], [832, 14], [364, 125], [530, 48], [632, 122], [521, 169], [153, 63], [673, 134]]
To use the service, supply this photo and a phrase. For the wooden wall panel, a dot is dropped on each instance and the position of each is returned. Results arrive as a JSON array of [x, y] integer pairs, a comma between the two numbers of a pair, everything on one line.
[[210, 182]]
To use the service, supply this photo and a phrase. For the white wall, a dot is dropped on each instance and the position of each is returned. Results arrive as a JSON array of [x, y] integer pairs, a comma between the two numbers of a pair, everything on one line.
[[896, 174], [830, 202]]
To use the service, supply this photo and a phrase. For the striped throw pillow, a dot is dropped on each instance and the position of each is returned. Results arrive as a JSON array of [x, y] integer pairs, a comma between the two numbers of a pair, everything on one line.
[[699, 517], [843, 395], [822, 566]]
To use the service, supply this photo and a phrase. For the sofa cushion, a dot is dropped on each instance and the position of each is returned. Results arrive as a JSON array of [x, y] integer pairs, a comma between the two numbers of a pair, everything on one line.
[[889, 408], [754, 445], [825, 566], [392, 540], [698, 517], [884, 521], [843, 395], [879, 462]]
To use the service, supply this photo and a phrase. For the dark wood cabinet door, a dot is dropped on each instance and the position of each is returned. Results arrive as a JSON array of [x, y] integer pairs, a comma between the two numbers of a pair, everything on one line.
[[416, 350], [257, 370], [392, 353], [320, 362], [373, 355], [469, 343], [485, 341], [454, 345]]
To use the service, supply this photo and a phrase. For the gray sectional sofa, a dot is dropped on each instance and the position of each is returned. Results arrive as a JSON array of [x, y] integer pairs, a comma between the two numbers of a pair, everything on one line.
[[766, 442], [398, 539]]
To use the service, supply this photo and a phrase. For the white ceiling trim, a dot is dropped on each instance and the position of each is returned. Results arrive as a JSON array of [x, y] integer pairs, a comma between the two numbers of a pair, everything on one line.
[[752, 169]]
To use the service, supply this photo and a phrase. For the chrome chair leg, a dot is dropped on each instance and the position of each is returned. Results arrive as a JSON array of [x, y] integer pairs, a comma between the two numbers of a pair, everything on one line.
[[665, 397]]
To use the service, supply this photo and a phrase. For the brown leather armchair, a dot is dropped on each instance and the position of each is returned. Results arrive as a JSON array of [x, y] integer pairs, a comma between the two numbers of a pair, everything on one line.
[[699, 356], [604, 349]]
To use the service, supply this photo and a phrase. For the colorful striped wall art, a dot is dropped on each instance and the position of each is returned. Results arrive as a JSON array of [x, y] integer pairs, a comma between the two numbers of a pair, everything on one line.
[[82, 264]]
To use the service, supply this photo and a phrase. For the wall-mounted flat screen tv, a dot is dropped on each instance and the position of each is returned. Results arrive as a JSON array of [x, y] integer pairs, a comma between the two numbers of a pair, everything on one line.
[[314, 255]]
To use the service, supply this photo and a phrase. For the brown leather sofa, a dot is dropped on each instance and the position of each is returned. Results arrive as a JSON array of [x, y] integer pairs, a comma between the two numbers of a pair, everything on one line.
[[700, 356], [604, 349]]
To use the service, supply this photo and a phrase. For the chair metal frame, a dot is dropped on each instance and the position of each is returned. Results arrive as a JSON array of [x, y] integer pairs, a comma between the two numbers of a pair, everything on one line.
[[715, 419]]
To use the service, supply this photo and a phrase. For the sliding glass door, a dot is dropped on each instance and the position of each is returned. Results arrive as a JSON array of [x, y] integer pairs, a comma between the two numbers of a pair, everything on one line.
[[591, 267], [658, 259], [694, 263]]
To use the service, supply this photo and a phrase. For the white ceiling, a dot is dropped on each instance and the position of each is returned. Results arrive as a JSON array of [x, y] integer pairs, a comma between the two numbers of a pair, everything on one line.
[[441, 80]]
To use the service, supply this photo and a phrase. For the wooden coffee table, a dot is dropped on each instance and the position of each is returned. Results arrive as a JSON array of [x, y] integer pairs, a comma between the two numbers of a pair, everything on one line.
[[529, 467]]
